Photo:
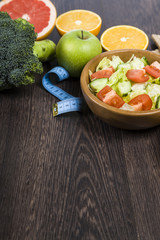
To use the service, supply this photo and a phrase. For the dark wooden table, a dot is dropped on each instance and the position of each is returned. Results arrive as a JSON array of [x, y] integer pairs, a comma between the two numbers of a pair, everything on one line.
[[74, 176]]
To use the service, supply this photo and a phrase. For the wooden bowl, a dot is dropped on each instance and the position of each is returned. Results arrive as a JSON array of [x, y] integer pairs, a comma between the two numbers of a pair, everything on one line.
[[114, 116]]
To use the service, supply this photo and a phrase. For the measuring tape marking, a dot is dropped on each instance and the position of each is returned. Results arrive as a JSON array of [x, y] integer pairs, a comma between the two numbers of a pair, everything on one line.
[[68, 103]]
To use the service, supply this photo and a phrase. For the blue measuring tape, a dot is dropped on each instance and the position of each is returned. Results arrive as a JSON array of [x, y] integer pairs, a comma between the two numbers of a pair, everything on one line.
[[68, 103]]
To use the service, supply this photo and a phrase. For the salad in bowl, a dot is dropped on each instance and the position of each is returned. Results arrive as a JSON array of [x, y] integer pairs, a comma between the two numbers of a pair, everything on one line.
[[132, 85]]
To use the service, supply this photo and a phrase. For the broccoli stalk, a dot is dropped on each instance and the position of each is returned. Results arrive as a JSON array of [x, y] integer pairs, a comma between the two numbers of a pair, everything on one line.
[[18, 64]]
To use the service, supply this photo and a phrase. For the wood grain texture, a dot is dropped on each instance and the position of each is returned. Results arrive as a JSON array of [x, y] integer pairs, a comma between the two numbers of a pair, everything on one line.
[[74, 176]]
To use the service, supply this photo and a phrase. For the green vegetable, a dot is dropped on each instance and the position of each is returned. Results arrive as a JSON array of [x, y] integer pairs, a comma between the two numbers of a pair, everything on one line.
[[123, 88], [18, 64], [124, 66], [105, 63], [134, 63], [45, 50], [137, 63], [139, 86], [154, 80], [117, 76], [127, 107], [116, 61], [153, 91], [98, 84], [157, 81], [121, 84], [158, 102], [145, 61], [133, 94]]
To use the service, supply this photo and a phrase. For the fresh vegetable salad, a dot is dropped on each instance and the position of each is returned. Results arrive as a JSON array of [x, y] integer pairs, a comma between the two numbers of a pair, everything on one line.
[[133, 85]]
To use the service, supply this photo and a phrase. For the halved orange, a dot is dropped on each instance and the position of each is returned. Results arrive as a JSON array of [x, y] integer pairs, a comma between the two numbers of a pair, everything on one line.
[[124, 36], [41, 13], [79, 19]]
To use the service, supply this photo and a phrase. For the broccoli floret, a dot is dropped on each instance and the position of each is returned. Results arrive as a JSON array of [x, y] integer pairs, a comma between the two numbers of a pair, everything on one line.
[[18, 64]]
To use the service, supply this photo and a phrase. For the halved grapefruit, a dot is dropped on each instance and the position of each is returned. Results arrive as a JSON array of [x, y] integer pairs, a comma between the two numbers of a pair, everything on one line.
[[41, 13]]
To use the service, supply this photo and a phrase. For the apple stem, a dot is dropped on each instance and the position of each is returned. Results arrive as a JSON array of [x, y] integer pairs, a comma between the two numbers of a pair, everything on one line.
[[82, 34]]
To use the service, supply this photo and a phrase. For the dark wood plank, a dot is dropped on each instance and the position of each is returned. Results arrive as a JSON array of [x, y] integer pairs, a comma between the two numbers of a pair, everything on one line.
[[74, 176], [142, 160]]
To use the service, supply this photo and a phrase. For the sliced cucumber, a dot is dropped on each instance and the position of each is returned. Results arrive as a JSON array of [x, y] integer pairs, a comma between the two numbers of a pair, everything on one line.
[[158, 102], [98, 84], [123, 88]]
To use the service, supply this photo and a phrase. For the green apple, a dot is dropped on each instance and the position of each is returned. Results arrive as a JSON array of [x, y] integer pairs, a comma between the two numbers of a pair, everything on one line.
[[75, 49]]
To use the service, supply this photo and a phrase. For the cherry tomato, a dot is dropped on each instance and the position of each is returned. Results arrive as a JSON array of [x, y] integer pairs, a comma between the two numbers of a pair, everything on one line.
[[152, 70], [105, 73], [141, 102], [109, 96], [137, 75]]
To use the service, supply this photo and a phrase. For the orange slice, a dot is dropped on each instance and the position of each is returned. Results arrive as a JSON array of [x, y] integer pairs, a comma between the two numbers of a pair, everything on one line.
[[79, 19], [124, 36], [41, 13]]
